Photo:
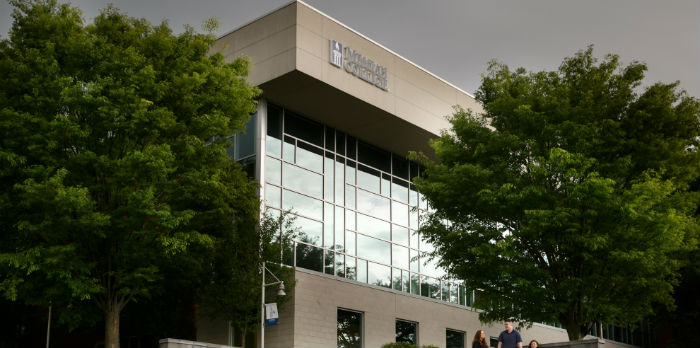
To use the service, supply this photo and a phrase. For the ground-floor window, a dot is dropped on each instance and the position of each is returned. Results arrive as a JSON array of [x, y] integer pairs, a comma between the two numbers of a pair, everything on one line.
[[454, 339], [349, 329], [406, 331]]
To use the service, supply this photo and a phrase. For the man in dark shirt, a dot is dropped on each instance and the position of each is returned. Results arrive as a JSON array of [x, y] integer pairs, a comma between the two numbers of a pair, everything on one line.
[[510, 338]]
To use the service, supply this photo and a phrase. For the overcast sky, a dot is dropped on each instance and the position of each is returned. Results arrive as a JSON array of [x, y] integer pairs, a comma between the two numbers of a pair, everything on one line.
[[455, 39]]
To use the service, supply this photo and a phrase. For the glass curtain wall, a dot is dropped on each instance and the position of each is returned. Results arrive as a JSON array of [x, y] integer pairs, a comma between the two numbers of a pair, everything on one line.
[[355, 211]]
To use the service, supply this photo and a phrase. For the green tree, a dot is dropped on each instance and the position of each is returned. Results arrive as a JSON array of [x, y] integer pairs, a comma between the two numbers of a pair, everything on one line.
[[233, 291], [568, 199], [113, 161]]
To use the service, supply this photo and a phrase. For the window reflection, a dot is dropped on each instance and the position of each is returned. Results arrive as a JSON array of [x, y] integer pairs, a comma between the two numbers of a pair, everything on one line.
[[329, 262], [339, 228], [328, 178], [339, 183], [328, 228], [361, 270], [396, 279], [349, 331], [373, 227], [273, 170], [415, 284], [373, 204], [350, 242], [273, 146], [406, 331], [399, 213], [302, 180], [373, 249], [379, 275], [399, 190], [350, 196], [350, 268], [301, 204], [309, 156], [399, 234], [399, 256], [288, 149], [273, 196], [415, 260], [350, 220], [406, 286], [350, 172], [368, 178], [310, 231], [309, 257]]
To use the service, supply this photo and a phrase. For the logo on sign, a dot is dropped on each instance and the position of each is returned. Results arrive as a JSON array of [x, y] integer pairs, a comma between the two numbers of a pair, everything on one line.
[[336, 53], [358, 65]]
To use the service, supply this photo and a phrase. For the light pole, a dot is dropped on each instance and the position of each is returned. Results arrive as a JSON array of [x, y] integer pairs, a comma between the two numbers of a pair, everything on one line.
[[280, 292]]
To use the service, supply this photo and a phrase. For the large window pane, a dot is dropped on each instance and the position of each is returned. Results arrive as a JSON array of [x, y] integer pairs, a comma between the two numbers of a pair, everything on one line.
[[399, 256], [273, 196], [339, 228], [399, 213], [350, 268], [245, 142], [454, 339], [406, 331], [415, 284], [288, 149], [350, 196], [329, 262], [349, 329], [374, 156], [273, 171], [399, 167], [310, 231], [406, 285], [350, 220], [309, 257], [368, 178], [399, 234], [396, 279], [373, 227], [372, 204], [303, 205], [339, 181], [328, 178], [309, 156], [362, 270], [303, 128], [350, 242], [414, 260], [302, 180], [399, 190], [350, 172], [373, 249], [328, 228], [273, 146], [379, 275]]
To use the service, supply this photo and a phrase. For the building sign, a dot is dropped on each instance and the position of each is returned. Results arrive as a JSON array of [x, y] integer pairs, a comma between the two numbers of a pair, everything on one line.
[[358, 65]]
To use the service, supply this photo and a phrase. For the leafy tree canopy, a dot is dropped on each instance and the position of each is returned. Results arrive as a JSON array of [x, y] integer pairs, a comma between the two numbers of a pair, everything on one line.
[[568, 199], [113, 160]]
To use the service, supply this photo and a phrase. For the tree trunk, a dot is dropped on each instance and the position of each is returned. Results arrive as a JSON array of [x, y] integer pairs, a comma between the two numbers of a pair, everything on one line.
[[244, 333], [112, 312]]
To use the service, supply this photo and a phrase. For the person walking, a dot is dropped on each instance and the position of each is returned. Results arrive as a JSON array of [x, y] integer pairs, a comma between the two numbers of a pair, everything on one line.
[[509, 338], [479, 340]]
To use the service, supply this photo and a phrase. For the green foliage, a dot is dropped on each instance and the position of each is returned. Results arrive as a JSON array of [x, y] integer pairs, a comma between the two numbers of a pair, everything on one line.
[[113, 161], [233, 292], [569, 199]]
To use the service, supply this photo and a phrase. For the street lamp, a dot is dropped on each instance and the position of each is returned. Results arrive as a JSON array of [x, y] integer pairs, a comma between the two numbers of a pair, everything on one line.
[[280, 292]]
